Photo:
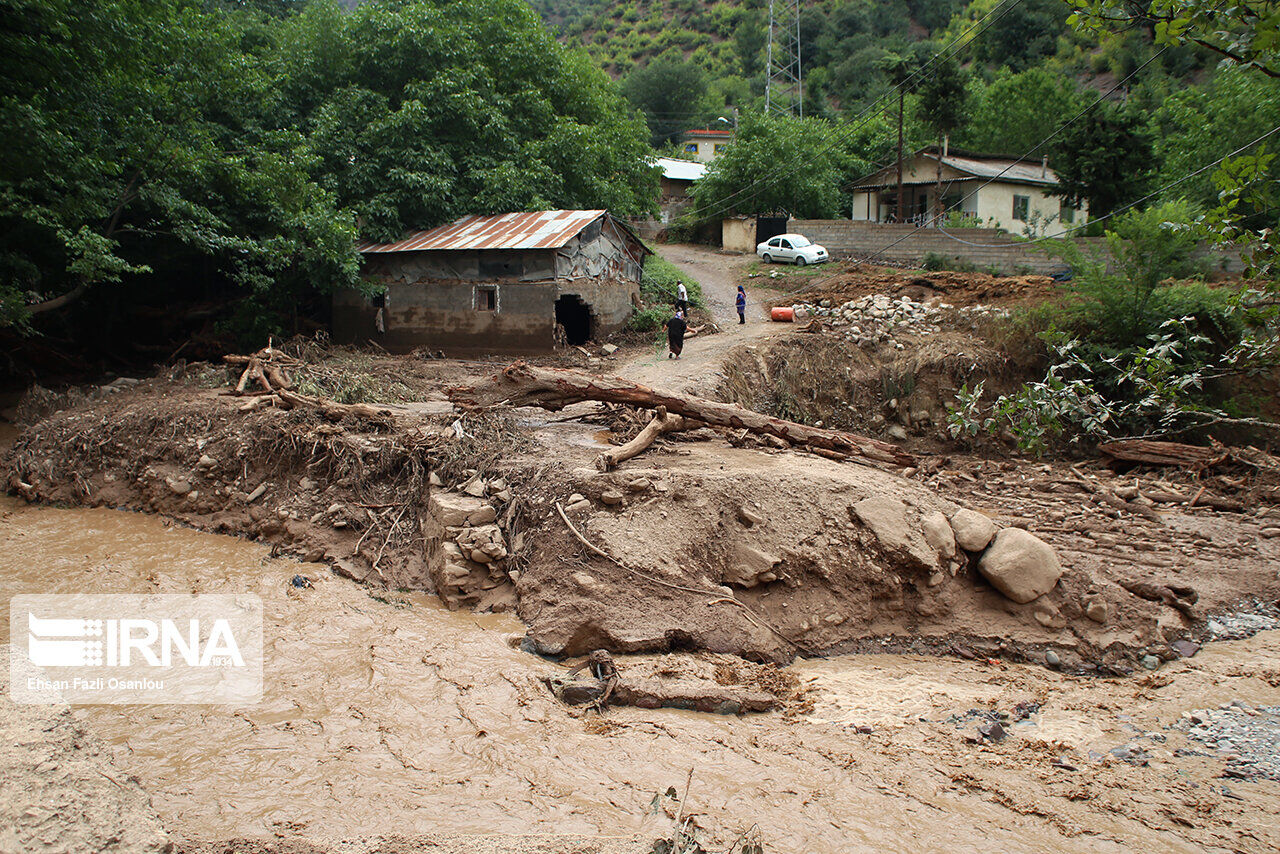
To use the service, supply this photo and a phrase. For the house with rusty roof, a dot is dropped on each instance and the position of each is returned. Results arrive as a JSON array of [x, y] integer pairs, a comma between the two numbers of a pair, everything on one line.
[[507, 283], [988, 190]]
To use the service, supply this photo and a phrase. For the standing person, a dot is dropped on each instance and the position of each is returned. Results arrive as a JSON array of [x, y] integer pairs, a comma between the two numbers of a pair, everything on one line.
[[676, 328], [741, 303], [682, 297]]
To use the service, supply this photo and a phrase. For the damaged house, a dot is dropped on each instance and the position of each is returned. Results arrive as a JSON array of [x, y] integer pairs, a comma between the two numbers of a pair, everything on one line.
[[513, 283]]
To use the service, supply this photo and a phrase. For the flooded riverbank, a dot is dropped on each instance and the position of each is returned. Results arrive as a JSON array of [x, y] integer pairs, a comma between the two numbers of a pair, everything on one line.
[[389, 714]]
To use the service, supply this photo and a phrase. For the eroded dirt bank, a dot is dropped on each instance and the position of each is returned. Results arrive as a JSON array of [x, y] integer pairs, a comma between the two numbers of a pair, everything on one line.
[[754, 550], [384, 710]]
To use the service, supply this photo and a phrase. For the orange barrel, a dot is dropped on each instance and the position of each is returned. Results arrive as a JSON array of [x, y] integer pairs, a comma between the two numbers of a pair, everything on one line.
[[782, 314]]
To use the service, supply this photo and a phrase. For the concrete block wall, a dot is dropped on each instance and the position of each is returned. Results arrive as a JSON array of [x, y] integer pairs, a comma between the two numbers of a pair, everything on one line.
[[983, 247]]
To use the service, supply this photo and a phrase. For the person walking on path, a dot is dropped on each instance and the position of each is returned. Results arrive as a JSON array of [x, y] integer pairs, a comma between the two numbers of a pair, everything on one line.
[[676, 327], [682, 297], [741, 304]]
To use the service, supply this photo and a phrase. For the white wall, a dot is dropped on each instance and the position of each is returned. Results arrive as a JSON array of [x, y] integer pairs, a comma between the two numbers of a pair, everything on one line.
[[995, 207]]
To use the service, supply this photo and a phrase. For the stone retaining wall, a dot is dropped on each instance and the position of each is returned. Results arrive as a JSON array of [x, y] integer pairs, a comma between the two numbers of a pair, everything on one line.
[[982, 247]]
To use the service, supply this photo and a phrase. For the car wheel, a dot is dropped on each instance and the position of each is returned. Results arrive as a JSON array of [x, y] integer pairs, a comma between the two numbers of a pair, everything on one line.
[[767, 258], [800, 262]]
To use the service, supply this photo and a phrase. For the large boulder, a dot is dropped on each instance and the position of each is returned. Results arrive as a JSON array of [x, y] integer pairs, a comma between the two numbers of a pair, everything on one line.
[[1020, 565], [973, 530]]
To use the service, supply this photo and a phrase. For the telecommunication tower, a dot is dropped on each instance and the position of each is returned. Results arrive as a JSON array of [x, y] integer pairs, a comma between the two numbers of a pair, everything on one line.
[[784, 89]]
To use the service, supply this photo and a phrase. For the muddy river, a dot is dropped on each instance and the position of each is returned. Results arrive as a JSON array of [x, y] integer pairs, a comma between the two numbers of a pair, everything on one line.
[[386, 713]]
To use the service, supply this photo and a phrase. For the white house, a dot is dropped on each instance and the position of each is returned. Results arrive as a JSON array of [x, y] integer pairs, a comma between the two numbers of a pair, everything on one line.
[[988, 190], [706, 144]]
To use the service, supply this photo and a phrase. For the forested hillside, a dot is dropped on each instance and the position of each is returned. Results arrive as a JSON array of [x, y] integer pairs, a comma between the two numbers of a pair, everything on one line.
[[1119, 113], [200, 168]]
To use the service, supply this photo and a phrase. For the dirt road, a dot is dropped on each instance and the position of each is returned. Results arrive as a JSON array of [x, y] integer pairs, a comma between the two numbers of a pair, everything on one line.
[[698, 368]]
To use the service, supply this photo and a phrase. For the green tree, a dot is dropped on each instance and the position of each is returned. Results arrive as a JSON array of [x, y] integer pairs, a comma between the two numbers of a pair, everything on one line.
[[139, 144], [1015, 112], [942, 107], [1104, 158], [671, 93], [780, 163]]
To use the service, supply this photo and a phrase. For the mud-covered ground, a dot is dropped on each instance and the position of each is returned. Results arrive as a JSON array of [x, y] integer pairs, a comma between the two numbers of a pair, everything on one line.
[[1056, 723]]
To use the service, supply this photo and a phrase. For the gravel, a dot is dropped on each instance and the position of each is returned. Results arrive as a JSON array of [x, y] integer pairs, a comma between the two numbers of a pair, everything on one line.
[[1247, 737]]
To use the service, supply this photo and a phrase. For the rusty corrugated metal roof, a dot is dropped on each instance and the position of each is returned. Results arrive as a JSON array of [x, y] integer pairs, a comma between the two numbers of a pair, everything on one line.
[[536, 230]]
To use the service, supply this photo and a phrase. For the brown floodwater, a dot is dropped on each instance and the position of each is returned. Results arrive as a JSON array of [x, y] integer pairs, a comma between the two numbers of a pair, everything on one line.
[[389, 714]]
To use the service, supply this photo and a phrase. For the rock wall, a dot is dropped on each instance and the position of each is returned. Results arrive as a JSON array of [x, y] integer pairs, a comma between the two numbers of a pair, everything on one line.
[[981, 247]]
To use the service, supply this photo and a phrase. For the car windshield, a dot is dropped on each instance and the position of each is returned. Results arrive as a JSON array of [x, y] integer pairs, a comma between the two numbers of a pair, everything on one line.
[[800, 242]]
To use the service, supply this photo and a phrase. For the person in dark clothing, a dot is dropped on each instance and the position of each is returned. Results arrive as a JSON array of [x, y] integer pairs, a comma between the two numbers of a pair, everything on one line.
[[676, 327], [742, 305]]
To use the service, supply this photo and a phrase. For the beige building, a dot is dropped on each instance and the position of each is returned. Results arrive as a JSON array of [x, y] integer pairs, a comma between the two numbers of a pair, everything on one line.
[[706, 144], [978, 189]]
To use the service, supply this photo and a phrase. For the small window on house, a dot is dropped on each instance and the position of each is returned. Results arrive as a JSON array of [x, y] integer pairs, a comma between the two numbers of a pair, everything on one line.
[[1021, 208], [691, 147], [720, 146], [1067, 213], [486, 299]]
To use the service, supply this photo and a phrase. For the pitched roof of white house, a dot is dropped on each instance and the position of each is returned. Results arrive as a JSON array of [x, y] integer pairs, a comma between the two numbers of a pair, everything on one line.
[[533, 230], [681, 170], [992, 167]]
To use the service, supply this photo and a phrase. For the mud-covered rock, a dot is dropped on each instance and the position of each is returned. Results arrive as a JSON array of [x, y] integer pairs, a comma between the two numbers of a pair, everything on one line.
[[1020, 565], [973, 531], [750, 566], [454, 510], [938, 534], [886, 517]]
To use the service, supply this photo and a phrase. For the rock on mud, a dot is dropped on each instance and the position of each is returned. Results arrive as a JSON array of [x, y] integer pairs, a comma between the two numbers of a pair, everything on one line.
[[974, 532], [886, 517], [1020, 565], [453, 510]]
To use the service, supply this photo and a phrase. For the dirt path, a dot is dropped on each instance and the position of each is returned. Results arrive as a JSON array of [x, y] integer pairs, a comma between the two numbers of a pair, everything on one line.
[[699, 367]]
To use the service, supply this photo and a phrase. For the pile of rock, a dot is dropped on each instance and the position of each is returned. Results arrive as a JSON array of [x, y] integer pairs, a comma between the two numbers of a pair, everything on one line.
[[881, 319], [473, 569], [1247, 737]]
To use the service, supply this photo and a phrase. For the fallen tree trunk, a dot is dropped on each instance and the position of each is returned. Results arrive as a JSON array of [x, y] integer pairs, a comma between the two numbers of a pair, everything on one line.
[[661, 423], [522, 384], [1144, 451]]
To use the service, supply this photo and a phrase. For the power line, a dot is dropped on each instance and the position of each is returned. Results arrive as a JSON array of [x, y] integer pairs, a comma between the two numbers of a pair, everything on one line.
[[976, 29], [1103, 218], [1038, 145]]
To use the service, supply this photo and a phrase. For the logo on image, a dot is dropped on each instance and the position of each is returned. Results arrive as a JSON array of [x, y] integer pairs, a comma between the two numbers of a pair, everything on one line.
[[153, 649]]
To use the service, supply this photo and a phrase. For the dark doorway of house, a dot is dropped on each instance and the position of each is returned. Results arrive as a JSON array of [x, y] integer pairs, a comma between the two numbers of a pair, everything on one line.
[[770, 226], [575, 316]]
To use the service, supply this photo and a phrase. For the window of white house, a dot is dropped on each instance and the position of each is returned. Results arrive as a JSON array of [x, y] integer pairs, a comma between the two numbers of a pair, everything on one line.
[[720, 146], [691, 147], [486, 298], [1067, 213], [1021, 208]]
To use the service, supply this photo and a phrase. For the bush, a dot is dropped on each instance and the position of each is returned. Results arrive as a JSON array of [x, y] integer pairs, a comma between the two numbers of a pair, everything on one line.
[[1134, 348], [1124, 304], [648, 319], [936, 262], [658, 283]]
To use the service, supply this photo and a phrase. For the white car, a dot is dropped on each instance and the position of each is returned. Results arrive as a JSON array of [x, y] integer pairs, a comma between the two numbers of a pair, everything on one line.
[[795, 248]]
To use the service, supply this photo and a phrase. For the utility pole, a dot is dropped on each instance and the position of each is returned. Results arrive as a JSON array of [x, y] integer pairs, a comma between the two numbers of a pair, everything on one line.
[[901, 102], [784, 85]]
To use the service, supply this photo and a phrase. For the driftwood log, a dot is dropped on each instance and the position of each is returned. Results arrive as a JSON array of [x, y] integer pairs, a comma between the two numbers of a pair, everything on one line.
[[267, 368], [1194, 457], [522, 384], [659, 424]]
